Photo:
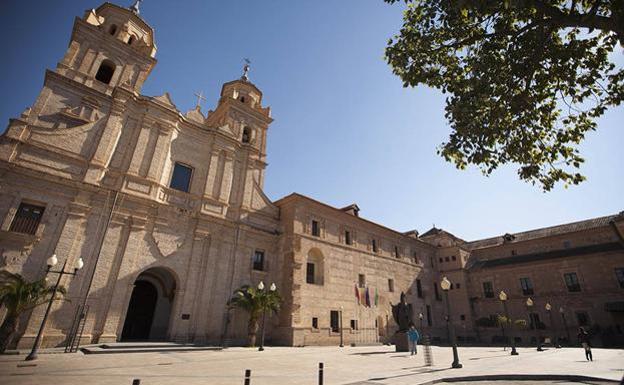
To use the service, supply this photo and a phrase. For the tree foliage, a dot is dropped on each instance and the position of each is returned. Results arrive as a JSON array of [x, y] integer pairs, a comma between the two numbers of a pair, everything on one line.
[[525, 79], [18, 296], [254, 301]]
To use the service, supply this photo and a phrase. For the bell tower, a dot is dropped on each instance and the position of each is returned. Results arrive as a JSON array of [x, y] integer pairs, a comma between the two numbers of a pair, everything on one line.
[[110, 46], [240, 109], [241, 116]]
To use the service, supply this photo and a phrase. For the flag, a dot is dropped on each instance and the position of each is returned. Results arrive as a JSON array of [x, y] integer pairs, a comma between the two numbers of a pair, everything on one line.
[[363, 296], [368, 302], [376, 298], [357, 294]]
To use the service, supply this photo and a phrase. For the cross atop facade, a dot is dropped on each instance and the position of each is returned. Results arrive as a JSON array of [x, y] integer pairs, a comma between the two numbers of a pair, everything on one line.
[[200, 97]]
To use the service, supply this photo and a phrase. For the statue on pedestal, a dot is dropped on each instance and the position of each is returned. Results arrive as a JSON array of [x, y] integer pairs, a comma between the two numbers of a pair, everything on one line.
[[403, 319]]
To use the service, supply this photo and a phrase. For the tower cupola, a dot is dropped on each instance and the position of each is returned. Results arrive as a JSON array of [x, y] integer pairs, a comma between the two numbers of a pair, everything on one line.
[[110, 46]]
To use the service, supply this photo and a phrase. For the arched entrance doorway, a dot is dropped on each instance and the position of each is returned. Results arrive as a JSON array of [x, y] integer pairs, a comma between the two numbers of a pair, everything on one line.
[[149, 310]]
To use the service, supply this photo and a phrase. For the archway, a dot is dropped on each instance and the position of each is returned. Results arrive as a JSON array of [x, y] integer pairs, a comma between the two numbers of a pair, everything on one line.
[[149, 309]]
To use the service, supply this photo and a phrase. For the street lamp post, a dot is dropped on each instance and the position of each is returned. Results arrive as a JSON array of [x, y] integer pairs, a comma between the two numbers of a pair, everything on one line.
[[272, 288], [52, 261], [420, 317], [341, 335], [565, 324], [529, 304], [554, 342], [503, 298], [446, 285]]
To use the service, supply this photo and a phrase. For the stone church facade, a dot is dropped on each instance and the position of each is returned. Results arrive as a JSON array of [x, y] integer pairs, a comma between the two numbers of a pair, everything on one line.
[[167, 211]]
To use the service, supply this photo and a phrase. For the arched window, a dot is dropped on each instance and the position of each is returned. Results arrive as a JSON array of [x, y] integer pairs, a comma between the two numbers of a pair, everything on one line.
[[246, 134], [130, 39], [105, 72], [315, 267], [112, 30]]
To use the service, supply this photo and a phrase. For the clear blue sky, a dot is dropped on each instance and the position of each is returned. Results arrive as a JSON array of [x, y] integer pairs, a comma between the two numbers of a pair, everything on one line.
[[345, 130]]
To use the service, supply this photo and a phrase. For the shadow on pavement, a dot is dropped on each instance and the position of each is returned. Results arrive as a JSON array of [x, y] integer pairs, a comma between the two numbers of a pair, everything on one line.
[[415, 372]]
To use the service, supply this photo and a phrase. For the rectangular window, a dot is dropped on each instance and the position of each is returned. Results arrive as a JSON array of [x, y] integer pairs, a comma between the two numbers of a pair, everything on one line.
[[374, 245], [619, 274], [429, 323], [314, 323], [462, 317], [181, 177], [419, 291], [457, 286], [354, 324], [441, 260], [437, 293], [316, 230], [527, 286], [348, 239], [572, 282], [396, 252], [334, 321], [446, 259], [310, 273], [258, 260], [27, 219], [488, 290], [391, 285], [454, 258], [361, 280], [582, 318]]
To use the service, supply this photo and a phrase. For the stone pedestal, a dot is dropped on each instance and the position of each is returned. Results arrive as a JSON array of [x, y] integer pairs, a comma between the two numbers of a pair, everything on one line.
[[401, 343]]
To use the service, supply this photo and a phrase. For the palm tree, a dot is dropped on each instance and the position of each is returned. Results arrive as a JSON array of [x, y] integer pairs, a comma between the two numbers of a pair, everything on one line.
[[255, 301], [19, 296]]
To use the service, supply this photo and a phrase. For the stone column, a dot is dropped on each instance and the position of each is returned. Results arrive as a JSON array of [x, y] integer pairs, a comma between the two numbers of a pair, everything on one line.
[[123, 285], [228, 178], [107, 142], [213, 169], [161, 150], [107, 274], [140, 149]]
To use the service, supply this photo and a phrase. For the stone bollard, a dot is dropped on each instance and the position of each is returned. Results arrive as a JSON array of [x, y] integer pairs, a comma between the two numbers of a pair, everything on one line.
[[247, 376], [320, 382]]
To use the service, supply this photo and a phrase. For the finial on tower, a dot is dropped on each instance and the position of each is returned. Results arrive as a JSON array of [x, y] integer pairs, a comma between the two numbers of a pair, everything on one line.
[[135, 7], [246, 68]]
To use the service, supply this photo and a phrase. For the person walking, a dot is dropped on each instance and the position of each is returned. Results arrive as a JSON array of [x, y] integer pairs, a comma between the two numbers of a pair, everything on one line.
[[413, 337], [583, 338]]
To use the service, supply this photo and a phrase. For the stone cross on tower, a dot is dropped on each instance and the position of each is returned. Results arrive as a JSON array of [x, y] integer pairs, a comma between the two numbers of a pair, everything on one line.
[[200, 97], [246, 68]]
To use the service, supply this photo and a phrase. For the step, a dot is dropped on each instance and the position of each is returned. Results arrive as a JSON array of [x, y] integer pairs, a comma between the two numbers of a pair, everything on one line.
[[145, 348]]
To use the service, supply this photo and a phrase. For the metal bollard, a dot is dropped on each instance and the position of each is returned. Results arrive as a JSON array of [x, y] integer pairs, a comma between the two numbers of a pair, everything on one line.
[[247, 376], [136, 381], [320, 373]]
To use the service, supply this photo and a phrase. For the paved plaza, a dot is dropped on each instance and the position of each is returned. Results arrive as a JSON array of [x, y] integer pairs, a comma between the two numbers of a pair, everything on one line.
[[283, 365]]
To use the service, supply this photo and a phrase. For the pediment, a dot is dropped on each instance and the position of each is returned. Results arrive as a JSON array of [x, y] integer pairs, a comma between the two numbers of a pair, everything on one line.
[[165, 99]]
